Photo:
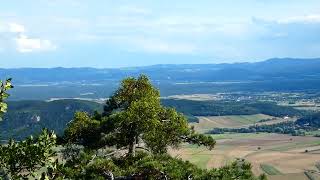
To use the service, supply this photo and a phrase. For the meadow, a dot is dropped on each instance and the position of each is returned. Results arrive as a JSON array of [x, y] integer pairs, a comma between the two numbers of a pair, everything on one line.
[[207, 123]]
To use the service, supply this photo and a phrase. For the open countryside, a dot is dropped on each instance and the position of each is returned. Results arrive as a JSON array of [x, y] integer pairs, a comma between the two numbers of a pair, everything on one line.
[[236, 121], [284, 153], [160, 90], [279, 156]]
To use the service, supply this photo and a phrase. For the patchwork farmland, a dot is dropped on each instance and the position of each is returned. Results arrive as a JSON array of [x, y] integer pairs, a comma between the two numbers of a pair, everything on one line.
[[279, 156], [207, 123]]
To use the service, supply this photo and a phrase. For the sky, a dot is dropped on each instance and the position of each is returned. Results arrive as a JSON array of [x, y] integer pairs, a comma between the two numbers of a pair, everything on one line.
[[123, 33]]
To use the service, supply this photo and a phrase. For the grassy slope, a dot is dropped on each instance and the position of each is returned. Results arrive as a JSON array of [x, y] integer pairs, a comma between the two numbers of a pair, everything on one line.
[[295, 145], [209, 122], [237, 135], [269, 169]]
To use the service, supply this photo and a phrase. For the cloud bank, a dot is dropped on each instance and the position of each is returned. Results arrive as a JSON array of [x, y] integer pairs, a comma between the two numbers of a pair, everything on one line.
[[14, 36], [125, 32]]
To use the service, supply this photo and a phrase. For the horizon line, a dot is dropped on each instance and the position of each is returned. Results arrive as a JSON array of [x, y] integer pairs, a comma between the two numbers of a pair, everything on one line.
[[173, 64]]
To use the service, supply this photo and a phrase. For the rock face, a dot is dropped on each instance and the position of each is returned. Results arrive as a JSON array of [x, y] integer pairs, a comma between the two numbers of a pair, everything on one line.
[[35, 118]]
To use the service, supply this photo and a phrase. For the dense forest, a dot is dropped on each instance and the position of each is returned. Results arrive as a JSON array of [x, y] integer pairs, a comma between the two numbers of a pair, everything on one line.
[[221, 108]]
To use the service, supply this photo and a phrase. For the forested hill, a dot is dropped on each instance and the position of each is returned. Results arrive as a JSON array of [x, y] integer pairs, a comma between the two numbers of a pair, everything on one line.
[[272, 69], [29, 117], [223, 108]]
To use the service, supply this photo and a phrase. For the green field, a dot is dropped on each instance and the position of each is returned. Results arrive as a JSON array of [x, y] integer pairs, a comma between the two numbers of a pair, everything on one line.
[[234, 121], [311, 175], [290, 176], [196, 155], [318, 166], [270, 170], [201, 160], [281, 157], [295, 145], [248, 119], [313, 133], [237, 135]]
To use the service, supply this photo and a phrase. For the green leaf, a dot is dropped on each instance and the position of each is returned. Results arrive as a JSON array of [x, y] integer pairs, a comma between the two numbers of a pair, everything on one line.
[[4, 86]]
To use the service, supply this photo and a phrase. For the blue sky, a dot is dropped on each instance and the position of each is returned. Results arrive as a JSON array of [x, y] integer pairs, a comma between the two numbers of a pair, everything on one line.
[[109, 33]]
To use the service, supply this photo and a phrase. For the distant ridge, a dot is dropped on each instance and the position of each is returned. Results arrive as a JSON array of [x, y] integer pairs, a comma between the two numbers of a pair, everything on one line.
[[271, 60], [286, 68]]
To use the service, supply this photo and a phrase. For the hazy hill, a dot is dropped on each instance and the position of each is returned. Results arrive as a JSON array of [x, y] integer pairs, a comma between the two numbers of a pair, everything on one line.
[[265, 70], [270, 75]]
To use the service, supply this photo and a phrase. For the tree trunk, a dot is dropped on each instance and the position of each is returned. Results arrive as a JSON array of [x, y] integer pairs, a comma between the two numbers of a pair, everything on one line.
[[108, 175], [132, 147]]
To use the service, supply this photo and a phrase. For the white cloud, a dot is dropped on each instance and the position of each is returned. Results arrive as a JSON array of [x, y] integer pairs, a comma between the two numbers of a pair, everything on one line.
[[315, 18], [16, 28], [302, 19], [13, 35], [26, 44], [153, 45], [134, 10], [165, 34], [298, 29], [161, 46]]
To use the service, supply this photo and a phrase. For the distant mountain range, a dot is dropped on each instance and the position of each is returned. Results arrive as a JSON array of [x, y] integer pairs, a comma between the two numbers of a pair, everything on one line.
[[270, 75], [265, 70]]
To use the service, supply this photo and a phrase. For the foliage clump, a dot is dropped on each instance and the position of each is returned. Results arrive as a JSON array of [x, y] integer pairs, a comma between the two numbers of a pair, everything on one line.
[[22, 159], [134, 115], [149, 166], [4, 87]]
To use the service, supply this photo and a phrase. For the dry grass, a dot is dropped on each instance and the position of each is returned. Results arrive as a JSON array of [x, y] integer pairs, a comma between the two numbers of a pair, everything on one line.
[[292, 176], [236, 121], [258, 149]]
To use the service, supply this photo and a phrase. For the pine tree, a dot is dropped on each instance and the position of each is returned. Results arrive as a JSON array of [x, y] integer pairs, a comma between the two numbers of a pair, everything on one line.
[[133, 115]]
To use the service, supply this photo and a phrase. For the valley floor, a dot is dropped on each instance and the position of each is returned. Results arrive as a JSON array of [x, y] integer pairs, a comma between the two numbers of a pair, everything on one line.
[[279, 156], [207, 123]]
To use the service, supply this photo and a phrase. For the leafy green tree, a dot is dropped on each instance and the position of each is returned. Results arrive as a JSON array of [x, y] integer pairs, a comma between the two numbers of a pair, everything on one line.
[[84, 130], [22, 159], [236, 170], [138, 116], [134, 115], [4, 87]]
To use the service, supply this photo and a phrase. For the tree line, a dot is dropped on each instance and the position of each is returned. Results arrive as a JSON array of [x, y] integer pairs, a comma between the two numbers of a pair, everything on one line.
[[222, 108]]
